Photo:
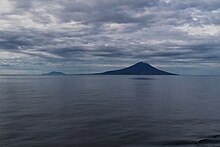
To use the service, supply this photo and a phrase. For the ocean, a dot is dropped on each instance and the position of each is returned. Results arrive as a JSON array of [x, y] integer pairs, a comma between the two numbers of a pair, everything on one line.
[[109, 111]]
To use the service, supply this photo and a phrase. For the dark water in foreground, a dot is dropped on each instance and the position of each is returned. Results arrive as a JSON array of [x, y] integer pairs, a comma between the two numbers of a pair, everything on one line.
[[109, 111]]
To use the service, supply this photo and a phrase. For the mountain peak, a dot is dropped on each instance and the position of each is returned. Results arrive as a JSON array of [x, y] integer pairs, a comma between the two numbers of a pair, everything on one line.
[[141, 64], [140, 68]]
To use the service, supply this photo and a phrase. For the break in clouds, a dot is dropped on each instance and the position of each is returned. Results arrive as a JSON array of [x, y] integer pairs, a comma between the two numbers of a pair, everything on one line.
[[85, 36]]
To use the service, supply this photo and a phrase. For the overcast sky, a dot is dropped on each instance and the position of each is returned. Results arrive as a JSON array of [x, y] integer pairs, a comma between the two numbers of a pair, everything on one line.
[[86, 36]]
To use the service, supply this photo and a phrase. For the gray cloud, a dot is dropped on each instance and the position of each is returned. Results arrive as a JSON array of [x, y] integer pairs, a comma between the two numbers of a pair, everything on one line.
[[84, 36]]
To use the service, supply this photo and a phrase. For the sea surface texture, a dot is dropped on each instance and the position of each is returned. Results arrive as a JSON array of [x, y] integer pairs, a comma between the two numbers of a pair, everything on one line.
[[109, 111]]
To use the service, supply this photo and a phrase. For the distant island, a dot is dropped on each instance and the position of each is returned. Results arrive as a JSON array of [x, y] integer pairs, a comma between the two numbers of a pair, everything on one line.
[[54, 73], [139, 68]]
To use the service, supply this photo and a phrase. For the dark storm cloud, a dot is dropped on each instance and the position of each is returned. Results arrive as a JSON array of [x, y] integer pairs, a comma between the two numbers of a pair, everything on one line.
[[93, 35]]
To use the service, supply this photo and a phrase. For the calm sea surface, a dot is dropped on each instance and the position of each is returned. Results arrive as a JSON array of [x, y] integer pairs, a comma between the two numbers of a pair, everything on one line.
[[109, 111]]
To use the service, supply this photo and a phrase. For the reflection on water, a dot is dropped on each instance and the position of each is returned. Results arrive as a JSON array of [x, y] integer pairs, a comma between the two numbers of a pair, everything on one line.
[[114, 111]]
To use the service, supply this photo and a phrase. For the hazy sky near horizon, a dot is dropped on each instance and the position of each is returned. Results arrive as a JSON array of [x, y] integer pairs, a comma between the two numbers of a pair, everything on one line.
[[85, 36]]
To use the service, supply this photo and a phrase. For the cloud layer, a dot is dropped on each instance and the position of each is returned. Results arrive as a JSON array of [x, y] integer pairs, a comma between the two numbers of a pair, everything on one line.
[[84, 36]]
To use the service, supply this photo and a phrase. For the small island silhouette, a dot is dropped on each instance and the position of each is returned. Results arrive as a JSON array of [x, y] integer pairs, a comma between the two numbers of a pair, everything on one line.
[[54, 73]]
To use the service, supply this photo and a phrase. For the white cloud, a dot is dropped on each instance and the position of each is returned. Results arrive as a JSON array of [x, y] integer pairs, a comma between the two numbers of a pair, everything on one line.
[[118, 27], [6, 6], [205, 30], [11, 56]]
